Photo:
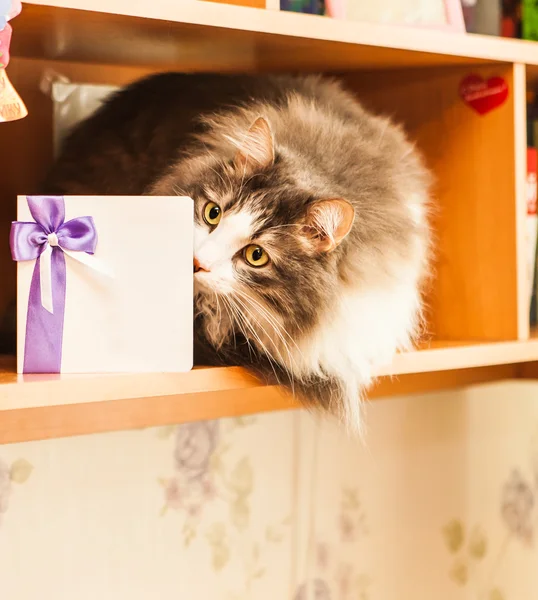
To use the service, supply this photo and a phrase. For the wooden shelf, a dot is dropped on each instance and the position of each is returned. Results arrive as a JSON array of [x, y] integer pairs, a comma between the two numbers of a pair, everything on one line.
[[118, 40], [44, 406], [206, 35]]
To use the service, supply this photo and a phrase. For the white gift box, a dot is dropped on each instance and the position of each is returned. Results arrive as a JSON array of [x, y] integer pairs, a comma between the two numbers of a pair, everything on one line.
[[128, 307]]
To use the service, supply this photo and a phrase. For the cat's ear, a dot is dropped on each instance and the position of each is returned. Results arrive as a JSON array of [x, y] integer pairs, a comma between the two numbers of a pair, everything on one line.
[[328, 222], [256, 150]]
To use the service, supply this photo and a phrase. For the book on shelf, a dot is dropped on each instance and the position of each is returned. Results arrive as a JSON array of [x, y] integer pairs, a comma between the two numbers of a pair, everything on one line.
[[482, 16], [533, 316], [529, 20], [532, 229], [506, 18], [313, 7], [519, 19], [511, 18]]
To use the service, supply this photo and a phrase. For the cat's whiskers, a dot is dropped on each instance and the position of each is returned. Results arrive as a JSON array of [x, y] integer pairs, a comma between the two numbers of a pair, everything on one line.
[[276, 328], [249, 316], [218, 328], [237, 316], [237, 320], [219, 312], [239, 307], [270, 357], [270, 318], [229, 311]]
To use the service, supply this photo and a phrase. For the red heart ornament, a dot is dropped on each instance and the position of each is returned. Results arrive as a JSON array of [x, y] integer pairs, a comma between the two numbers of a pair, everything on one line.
[[483, 95]]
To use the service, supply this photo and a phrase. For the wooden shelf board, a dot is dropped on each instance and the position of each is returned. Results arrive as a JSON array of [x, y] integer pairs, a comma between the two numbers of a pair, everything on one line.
[[44, 406], [205, 35], [450, 355], [30, 391]]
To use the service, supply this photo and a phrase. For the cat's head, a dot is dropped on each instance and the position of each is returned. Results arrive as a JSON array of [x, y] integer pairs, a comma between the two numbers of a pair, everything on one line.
[[263, 246]]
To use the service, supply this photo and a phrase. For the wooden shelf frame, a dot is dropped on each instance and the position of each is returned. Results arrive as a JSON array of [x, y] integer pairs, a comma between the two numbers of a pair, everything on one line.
[[222, 36], [136, 37], [34, 407], [32, 391]]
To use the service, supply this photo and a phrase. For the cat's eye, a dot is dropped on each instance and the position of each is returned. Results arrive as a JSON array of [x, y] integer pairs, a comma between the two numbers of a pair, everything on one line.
[[256, 256], [212, 214]]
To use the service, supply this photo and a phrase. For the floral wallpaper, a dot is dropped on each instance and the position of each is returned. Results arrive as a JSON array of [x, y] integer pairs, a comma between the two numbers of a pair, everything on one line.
[[438, 502], [18, 472], [518, 516]]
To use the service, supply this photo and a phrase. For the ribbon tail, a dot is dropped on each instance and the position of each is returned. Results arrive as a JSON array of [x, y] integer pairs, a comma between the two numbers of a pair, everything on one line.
[[44, 329], [90, 261], [45, 276]]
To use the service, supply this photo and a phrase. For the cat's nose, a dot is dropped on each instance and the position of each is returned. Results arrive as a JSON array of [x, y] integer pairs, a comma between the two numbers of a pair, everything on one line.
[[198, 267]]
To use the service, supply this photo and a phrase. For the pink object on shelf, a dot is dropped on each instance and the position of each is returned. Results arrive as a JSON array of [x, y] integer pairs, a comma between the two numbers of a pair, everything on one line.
[[452, 9], [336, 8], [11, 105], [5, 39], [454, 15], [454, 18], [532, 219]]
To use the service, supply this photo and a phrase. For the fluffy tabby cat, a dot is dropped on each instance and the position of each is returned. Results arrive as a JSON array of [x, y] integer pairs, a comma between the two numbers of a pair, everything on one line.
[[311, 237]]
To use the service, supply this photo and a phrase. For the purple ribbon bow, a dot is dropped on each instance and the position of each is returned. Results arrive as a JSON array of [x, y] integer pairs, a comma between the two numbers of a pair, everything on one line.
[[45, 241]]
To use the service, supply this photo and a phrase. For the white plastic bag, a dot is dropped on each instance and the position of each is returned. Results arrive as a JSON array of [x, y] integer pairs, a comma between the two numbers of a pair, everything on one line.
[[72, 103]]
